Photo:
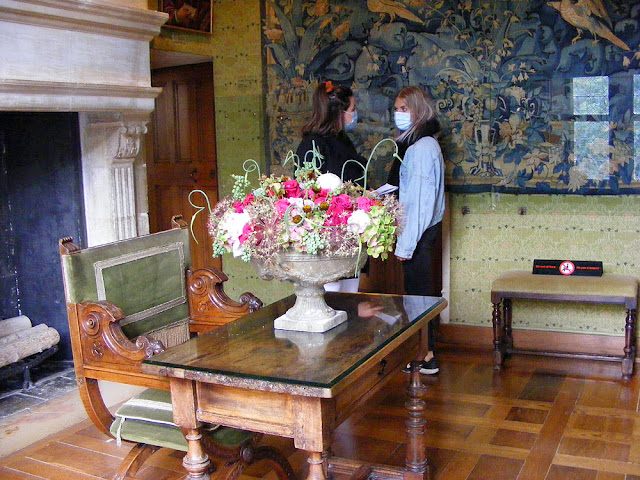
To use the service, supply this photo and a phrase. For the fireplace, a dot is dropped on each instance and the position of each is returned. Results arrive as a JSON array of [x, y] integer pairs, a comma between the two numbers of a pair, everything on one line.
[[83, 66]]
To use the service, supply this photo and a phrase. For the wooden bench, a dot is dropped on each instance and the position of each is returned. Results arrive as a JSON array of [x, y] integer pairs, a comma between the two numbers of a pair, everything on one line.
[[520, 284]]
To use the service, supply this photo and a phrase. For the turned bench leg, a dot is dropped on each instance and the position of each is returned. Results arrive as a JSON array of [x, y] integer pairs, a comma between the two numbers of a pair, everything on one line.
[[629, 345], [498, 347]]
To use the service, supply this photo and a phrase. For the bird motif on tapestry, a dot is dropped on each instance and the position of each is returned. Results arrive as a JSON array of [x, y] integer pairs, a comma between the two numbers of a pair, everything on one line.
[[588, 15], [393, 9]]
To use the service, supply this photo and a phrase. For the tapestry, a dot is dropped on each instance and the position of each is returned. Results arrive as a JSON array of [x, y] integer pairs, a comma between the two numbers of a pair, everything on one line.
[[533, 96]]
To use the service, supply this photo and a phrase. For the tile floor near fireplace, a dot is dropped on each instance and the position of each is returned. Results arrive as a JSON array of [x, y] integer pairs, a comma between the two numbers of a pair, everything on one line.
[[49, 380]]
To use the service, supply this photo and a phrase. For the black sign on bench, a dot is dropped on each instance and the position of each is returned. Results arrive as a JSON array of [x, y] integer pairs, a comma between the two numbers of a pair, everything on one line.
[[574, 268]]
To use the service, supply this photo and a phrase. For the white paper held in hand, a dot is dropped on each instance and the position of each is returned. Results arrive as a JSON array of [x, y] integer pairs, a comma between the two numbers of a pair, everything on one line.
[[386, 188]]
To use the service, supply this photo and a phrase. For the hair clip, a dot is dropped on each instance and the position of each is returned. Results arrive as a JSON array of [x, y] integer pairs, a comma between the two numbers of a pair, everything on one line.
[[328, 86]]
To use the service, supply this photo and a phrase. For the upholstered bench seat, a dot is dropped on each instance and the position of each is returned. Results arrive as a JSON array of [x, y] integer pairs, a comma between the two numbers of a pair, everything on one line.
[[520, 284], [148, 418]]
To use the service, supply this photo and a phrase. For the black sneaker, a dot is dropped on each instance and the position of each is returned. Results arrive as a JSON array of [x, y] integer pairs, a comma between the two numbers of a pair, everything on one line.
[[426, 368]]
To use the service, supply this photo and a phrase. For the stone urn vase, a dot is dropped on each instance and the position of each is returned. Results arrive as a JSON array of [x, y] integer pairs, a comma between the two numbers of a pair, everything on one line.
[[309, 273]]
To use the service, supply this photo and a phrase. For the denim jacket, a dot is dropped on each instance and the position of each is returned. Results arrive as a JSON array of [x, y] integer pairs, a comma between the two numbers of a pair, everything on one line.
[[421, 193]]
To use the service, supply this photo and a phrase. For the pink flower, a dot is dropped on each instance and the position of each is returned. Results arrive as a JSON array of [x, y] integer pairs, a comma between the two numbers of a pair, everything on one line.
[[248, 199], [308, 193], [365, 203], [321, 196], [340, 208], [246, 230], [237, 207], [292, 188], [339, 203], [281, 206]]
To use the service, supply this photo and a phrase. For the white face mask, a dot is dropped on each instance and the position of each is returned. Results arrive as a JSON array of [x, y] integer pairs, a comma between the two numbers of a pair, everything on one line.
[[402, 120], [351, 126]]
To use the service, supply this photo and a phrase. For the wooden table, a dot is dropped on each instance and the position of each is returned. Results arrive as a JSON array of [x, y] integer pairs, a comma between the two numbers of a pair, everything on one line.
[[302, 385]]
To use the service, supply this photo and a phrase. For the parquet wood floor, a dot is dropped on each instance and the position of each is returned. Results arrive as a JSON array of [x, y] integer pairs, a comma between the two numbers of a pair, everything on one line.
[[538, 419]]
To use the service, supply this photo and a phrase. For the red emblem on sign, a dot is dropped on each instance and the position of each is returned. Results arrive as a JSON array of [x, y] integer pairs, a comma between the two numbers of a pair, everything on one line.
[[567, 268]]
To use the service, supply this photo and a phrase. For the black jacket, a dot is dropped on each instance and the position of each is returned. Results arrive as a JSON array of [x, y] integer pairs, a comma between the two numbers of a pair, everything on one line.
[[429, 129], [336, 150]]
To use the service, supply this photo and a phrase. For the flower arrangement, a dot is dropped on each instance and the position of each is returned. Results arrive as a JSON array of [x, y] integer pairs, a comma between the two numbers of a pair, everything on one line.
[[311, 213]]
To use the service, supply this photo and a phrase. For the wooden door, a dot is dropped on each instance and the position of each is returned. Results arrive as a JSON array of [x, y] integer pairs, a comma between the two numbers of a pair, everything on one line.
[[181, 153]]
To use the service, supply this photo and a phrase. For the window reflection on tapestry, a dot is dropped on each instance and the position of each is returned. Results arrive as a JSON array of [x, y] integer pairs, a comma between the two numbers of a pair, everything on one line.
[[591, 138]]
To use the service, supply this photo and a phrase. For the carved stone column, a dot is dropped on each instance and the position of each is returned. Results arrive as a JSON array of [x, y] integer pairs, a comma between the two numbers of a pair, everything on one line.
[[113, 173]]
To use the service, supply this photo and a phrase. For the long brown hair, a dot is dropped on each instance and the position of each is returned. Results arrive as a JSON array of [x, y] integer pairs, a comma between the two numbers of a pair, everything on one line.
[[422, 112], [329, 101]]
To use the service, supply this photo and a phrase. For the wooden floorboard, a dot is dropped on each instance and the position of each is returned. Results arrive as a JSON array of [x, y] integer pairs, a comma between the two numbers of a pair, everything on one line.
[[537, 419]]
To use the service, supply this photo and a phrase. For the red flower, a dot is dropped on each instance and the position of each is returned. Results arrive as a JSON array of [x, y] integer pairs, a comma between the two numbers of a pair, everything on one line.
[[292, 188], [248, 199], [321, 196], [246, 230], [365, 203], [340, 208]]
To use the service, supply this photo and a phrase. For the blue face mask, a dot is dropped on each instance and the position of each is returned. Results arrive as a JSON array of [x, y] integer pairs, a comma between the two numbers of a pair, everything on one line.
[[402, 120], [351, 126]]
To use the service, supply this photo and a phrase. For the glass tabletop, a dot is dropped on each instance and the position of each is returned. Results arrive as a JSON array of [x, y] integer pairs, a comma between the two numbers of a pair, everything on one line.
[[251, 348]]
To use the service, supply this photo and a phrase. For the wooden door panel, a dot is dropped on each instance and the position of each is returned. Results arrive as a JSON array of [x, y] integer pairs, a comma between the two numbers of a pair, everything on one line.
[[181, 153], [176, 199], [163, 124]]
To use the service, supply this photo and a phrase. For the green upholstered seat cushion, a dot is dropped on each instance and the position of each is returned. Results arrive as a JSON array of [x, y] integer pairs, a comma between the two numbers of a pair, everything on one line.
[[608, 285], [144, 276], [148, 418]]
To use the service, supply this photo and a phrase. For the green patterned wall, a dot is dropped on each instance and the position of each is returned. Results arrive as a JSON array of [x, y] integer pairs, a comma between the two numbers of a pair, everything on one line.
[[494, 237], [240, 123]]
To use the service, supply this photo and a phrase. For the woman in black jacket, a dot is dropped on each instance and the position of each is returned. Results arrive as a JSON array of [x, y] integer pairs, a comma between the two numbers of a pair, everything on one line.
[[334, 113]]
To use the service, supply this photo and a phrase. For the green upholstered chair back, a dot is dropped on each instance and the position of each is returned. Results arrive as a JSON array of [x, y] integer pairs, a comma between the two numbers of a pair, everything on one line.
[[144, 276]]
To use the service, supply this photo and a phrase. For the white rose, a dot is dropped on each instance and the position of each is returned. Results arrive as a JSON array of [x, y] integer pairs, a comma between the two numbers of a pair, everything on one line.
[[358, 221], [296, 202], [236, 248], [329, 181], [234, 222]]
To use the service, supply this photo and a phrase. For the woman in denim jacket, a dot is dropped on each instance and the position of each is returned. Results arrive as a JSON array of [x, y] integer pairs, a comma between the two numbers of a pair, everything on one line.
[[420, 177]]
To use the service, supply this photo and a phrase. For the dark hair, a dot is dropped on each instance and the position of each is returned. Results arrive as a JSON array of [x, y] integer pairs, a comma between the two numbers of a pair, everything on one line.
[[329, 101]]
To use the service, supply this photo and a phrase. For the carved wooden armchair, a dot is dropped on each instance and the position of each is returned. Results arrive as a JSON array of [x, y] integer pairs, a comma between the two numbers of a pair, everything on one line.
[[128, 300]]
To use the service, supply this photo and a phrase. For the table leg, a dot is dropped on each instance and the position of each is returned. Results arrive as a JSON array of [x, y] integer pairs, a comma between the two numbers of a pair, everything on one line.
[[629, 344], [196, 461], [497, 337], [316, 462], [416, 464]]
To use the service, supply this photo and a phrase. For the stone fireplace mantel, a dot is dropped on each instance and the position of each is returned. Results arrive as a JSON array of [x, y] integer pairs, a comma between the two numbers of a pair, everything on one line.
[[91, 57]]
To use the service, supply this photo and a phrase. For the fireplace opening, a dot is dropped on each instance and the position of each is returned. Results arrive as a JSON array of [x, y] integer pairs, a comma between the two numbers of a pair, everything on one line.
[[41, 201]]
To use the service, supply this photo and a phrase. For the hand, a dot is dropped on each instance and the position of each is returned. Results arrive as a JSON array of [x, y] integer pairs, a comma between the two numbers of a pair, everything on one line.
[[401, 259], [369, 309]]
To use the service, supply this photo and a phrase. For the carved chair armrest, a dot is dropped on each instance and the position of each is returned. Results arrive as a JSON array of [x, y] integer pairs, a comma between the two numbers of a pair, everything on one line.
[[102, 340], [209, 305]]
